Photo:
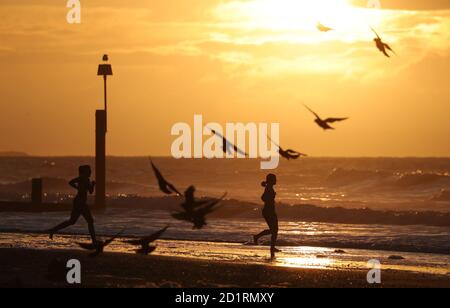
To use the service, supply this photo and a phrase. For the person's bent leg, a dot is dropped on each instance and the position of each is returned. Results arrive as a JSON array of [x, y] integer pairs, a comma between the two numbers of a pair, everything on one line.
[[274, 232], [268, 220], [264, 233], [90, 220], [73, 220]]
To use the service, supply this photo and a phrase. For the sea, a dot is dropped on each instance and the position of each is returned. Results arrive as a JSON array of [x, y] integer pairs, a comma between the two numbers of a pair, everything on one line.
[[386, 207]]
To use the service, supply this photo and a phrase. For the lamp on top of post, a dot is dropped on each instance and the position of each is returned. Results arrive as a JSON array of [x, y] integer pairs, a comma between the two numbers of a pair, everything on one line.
[[105, 70]]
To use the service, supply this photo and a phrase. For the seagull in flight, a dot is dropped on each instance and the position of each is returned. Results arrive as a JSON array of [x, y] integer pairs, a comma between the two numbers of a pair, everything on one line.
[[196, 212], [325, 124], [145, 242], [382, 46], [190, 203], [99, 248], [323, 28], [164, 186], [288, 154], [228, 147]]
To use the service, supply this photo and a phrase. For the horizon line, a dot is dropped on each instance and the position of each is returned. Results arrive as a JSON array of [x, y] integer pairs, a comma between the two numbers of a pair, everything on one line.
[[192, 158]]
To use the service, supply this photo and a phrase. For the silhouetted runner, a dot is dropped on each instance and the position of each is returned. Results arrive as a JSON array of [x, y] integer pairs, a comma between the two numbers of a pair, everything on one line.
[[84, 186], [269, 213]]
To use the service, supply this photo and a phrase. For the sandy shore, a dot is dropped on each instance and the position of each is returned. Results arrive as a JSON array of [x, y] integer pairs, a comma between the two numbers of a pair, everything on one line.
[[29, 268]]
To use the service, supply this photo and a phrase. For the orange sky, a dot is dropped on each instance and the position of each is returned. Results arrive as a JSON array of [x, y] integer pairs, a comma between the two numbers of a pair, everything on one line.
[[231, 61]]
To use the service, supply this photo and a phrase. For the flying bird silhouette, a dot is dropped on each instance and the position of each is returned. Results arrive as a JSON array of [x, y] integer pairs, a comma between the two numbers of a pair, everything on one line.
[[288, 154], [195, 211], [382, 46], [145, 242], [325, 124], [190, 203], [99, 248], [323, 28], [227, 146], [198, 217], [164, 186]]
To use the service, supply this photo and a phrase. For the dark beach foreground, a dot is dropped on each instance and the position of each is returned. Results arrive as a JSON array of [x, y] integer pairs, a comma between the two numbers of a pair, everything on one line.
[[29, 268]]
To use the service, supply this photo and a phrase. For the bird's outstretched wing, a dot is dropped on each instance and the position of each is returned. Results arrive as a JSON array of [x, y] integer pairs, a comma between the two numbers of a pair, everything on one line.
[[227, 145], [292, 152], [134, 242], [112, 239], [162, 182], [197, 216], [291, 155], [239, 151], [210, 207], [192, 205], [277, 145], [103, 244], [389, 47], [173, 188], [310, 110], [198, 204], [333, 120], [375, 32], [184, 216], [149, 239]]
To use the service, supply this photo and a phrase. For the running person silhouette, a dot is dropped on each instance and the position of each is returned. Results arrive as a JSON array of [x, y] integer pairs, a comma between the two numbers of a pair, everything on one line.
[[84, 186], [269, 213]]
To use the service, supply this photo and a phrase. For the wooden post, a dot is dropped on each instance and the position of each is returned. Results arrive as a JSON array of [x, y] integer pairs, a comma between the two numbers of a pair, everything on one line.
[[100, 159], [36, 191]]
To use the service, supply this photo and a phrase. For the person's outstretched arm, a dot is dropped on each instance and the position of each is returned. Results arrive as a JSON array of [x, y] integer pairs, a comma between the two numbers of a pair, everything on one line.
[[74, 183], [92, 187]]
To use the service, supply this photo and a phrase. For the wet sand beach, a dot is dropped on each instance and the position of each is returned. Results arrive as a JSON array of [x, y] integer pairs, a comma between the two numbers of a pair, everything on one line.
[[204, 264], [135, 271]]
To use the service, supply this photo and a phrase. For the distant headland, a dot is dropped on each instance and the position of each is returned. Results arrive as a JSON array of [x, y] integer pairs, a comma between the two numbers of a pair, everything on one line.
[[13, 154]]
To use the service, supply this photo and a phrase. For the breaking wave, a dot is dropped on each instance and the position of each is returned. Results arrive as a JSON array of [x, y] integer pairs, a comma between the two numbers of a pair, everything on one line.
[[382, 179]]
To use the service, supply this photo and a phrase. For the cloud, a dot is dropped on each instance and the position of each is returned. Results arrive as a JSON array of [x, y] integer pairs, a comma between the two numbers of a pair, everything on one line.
[[180, 53], [411, 5], [168, 28]]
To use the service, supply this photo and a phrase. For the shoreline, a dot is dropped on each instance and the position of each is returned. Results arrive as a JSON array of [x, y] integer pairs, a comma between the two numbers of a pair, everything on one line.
[[281, 244], [136, 271], [295, 257], [244, 209]]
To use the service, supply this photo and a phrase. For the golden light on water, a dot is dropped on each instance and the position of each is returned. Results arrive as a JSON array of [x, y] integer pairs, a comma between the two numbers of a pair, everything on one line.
[[306, 262], [307, 257]]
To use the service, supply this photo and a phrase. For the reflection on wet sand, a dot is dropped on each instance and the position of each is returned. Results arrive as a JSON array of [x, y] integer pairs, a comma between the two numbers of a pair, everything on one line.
[[293, 257]]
